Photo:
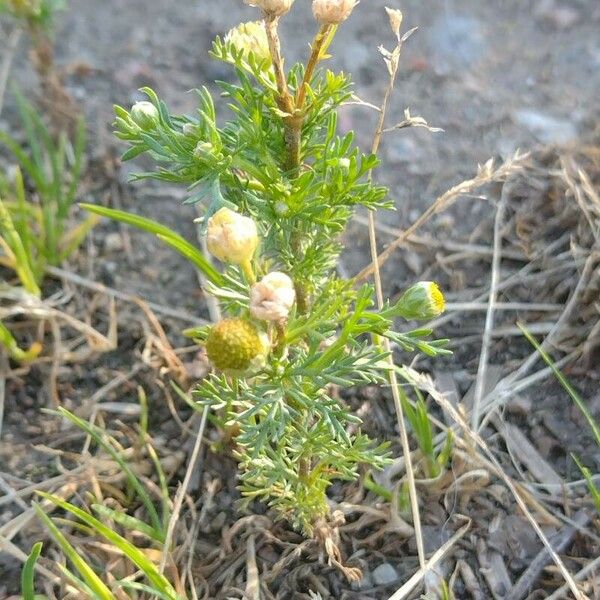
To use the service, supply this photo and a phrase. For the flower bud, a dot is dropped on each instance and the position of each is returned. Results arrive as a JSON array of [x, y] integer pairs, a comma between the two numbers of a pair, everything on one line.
[[144, 114], [236, 345], [272, 297], [231, 237], [332, 12], [251, 38], [273, 8], [203, 149], [190, 130], [421, 302]]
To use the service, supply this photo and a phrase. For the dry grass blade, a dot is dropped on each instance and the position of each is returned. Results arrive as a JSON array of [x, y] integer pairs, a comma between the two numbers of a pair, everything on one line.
[[427, 385], [489, 318], [392, 61], [485, 175], [438, 555], [99, 287], [181, 492]]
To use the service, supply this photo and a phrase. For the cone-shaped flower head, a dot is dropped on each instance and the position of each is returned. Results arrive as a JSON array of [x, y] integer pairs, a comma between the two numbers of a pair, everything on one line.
[[231, 237], [250, 38], [332, 12], [144, 114], [236, 345], [421, 302], [273, 8], [272, 298]]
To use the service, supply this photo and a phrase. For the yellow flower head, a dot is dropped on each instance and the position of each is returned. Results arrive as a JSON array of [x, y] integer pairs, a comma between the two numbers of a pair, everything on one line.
[[236, 345]]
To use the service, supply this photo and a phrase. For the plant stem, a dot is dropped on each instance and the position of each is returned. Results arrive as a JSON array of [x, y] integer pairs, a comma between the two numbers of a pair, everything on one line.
[[319, 45], [280, 338], [396, 390], [285, 101], [248, 272]]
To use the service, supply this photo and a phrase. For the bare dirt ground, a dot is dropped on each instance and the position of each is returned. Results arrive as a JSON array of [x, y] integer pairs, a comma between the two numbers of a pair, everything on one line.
[[495, 77]]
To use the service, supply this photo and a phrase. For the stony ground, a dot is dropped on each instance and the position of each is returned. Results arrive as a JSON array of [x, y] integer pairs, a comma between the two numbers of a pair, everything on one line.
[[494, 76]]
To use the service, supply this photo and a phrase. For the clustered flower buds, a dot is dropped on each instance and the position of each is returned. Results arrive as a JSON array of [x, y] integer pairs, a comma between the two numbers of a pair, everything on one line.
[[332, 12], [272, 8], [236, 345], [231, 237], [144, 114], [421, 302], [250, 38], [272, 298]]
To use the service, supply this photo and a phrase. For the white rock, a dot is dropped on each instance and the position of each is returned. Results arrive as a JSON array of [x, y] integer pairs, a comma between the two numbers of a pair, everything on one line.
[[384, 574]]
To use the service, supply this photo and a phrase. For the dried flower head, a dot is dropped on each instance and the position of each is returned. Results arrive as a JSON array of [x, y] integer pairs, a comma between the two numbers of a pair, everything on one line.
[[144, 114], [236, 345], [250, 38], [272, 298], [231, 237], [333, 12], [272, 8], [422, 301]]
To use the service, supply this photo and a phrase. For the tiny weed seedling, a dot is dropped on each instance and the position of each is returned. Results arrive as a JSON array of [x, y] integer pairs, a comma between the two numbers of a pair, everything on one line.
[[581, 405], [128, 536], [34, 218], [279, 185], [53, 168]]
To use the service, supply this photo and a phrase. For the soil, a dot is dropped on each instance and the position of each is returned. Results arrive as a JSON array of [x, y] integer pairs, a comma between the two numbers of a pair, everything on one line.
[[495, 77]]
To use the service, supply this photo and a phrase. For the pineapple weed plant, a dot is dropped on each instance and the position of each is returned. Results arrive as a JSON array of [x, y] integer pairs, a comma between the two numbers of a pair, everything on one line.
[[280, 185]]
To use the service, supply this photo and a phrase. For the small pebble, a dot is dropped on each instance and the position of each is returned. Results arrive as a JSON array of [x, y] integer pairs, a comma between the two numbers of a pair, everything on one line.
[[546, 128], [384, 574], [113, 242]]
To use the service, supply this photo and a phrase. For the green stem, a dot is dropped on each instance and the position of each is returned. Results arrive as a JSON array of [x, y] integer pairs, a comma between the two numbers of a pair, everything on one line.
[[248, 271]]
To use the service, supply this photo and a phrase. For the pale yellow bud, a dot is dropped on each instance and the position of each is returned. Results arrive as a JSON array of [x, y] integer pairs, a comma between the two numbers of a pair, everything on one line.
[[332, 12], [203, 149], [272, 298], [251, 38], [144, 114], [231, 237], [273, 8]]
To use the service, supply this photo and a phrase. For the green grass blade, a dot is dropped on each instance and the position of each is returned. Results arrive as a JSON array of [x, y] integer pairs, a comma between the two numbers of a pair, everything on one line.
[[74, 238], [128, 522], [565, 383], [76, 582], [135, 555], [28, 120], [22, 216], [594, 491], [98, 435], [167, 235], [79, 150], [23, 261], [89, 577], [140, 587], [28, 573], [24, 160]]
